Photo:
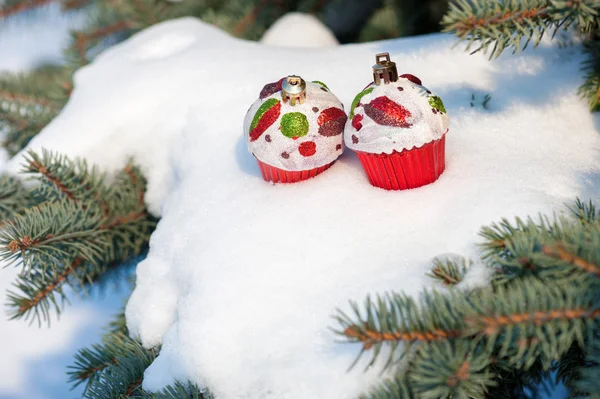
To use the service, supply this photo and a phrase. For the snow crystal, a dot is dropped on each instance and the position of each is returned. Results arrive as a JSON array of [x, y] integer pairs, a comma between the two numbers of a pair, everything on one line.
[[242, 276]]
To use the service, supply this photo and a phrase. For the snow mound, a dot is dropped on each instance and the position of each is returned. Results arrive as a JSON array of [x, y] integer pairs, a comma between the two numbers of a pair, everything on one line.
[[243, 276], [297, 29]]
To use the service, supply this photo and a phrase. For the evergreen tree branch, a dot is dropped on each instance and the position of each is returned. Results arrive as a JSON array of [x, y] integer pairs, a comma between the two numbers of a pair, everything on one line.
[[585, 212], [14, 197], [450, 271], [495, 26], [559, 251], [179, 391], [122, 378], [13, 7], [590, 89], [588, 384], [91, 363], [62, 178], [82, 229]]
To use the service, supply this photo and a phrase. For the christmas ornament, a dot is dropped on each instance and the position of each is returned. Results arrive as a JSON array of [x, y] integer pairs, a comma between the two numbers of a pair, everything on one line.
[[397, 128], [294, 130]]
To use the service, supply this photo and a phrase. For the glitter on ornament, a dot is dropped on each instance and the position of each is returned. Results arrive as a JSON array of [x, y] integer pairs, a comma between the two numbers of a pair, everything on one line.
[[294, 125], [270, 88], [357, 99], [305, 138], [356, 122], [320, 84], [437, 103], [307, 149], [386, 112], [412, 78], [331, 122], [266, 115]]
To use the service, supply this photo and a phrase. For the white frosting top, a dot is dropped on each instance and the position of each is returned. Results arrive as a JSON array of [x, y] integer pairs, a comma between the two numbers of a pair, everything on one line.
[[295, 138], [395, 116]]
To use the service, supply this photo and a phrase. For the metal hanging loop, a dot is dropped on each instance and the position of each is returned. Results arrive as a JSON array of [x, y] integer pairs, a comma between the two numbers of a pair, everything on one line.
[[293, 89], [384, 69]]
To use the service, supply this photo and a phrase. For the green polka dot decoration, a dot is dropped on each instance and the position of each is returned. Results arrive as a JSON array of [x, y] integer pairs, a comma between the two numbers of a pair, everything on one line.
[[321, 84], [294, 124], [357, 99], [437, 103], [261, 111]]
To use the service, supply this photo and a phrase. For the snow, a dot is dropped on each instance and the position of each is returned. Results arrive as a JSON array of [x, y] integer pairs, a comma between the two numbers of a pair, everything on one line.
[[296, 29], [243, 276]]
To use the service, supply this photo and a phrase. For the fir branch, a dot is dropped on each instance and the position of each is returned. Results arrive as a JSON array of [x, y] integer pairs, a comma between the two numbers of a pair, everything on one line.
[[38, 91], [12, 7], [47, 234], [450, 369], [90, 363], [495, 26], [568, 369], [14, 197], [20, 129], [530, 248], [42, 296], [179, 391], [449, 271], [559, 251], [86, 40], [588, 383], [590, 89], [81, 220], [62, 178], [123, 377], [585, 212], [396, 318], [522, 319], [392, 388]]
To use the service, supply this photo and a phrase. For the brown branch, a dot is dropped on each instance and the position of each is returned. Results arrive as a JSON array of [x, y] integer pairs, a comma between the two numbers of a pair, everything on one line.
[[84, 375], [36, 166], [462, 374], [491, 324], [129, 218], [474, 23], [82, 39], [561, 253], [133, 387], [447, 279], [59, 280], [134, 180], [23, 6], [370, 337]]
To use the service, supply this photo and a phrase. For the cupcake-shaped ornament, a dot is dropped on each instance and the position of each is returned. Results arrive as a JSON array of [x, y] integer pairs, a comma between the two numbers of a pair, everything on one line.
[[294, 130], [397, 128]]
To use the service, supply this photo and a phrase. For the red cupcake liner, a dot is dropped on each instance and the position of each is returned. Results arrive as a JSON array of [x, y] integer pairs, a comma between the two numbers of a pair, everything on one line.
[[276, 175], [406, 169]]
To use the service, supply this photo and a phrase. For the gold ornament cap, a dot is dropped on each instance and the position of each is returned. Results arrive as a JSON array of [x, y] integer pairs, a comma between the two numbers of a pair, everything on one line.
[[384, 69], [293, 89]]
